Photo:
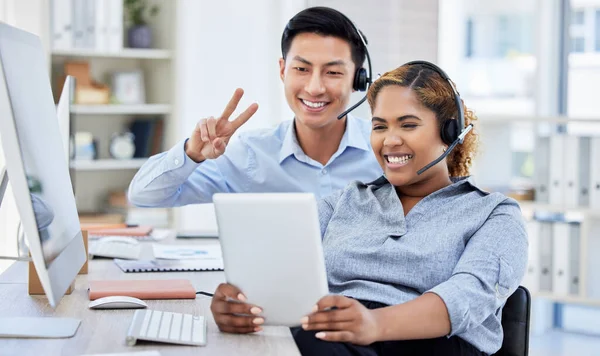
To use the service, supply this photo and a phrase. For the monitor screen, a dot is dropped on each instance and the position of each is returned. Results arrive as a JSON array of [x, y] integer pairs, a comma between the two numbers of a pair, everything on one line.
[[40, 143]]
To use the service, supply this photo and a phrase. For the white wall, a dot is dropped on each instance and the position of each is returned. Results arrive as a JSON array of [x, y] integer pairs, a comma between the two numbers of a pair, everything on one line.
[[398, 31], [222, 45]]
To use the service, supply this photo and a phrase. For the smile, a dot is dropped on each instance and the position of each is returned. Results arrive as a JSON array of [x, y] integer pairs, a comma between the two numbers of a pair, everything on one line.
[[314, 106], [397, 160]]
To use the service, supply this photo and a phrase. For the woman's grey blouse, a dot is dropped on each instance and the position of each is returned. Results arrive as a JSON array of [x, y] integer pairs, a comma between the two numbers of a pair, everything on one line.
[[465, 245]]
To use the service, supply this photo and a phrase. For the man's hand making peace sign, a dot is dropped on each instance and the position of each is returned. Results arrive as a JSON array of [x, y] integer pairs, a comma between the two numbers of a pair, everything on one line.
[[211, 135]]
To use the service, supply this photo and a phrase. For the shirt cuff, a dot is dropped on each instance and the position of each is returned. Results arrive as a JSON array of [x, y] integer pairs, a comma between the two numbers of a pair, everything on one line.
[[177, 160], [457, 305]]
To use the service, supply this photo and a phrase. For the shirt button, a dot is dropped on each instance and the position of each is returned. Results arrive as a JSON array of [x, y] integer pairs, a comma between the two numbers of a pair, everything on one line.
[[176, 162], [324, 171]]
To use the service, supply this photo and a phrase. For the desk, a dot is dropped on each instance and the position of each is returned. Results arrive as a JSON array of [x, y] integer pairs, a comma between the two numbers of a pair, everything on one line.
[[103, 331]]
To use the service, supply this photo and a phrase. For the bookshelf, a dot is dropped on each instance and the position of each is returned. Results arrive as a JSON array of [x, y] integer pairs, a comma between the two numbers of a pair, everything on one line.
[[532, 206], [107, 164], [142, 109], [129, 53], [563, 226], [95, 180]]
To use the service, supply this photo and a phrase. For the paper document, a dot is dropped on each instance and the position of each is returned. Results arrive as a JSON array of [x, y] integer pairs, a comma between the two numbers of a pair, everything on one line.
[[187, 252], [138, 353]]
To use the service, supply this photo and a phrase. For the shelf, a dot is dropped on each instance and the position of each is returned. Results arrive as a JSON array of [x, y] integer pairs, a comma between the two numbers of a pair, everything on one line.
[[529, 205], [507, 119], [143, 109], [124, 53], [567, 299], [108, 164]]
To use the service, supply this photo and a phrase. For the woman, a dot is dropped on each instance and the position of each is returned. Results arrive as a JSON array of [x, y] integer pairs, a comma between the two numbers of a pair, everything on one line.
[[416, 264]]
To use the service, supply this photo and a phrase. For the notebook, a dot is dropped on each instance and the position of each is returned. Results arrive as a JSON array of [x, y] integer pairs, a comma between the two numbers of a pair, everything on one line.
[[143, 289], [142, 233], [187, 252], [169, 265], [126, 231]]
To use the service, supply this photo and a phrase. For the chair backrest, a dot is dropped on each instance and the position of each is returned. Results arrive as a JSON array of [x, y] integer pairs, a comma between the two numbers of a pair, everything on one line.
[[515, 324]]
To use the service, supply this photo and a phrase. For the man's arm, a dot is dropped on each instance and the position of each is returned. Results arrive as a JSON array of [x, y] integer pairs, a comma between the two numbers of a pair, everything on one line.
[[191, 172], [172, 179]]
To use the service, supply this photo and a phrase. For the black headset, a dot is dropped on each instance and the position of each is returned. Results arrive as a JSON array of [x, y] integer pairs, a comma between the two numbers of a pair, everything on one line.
[[362, 79], [453, 130], [452, 127]]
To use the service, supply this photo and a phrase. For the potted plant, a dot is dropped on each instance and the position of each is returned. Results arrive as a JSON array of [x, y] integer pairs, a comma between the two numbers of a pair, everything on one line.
[[139, 34]]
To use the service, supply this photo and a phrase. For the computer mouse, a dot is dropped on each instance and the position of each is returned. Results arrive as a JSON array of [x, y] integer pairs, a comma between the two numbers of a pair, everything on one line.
[[120, 239], [117, 302]]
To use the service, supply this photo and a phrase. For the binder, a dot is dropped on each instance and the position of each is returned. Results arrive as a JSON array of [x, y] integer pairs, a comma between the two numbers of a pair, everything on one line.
[[101, 41], [566, 266], [560, 258], [78, 16], [545, 251], [114, 15], [585, 168], [89, 13], [531, 280], [61, 25], [576, 171], [594, 164], [542, 169], [574, 258], [557, 157], [592, 286]]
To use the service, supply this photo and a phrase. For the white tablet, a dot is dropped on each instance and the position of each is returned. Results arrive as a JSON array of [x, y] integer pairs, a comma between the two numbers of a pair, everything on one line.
[[271, 245]]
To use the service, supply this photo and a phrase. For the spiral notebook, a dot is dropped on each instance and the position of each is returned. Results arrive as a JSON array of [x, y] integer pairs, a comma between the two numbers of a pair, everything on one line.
[[169, 265]]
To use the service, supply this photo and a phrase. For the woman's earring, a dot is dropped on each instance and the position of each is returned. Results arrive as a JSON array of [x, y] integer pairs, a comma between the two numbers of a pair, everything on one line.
[[445, 149]]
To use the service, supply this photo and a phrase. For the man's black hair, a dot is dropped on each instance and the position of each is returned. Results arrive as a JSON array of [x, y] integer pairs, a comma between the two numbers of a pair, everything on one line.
[[324, 21]]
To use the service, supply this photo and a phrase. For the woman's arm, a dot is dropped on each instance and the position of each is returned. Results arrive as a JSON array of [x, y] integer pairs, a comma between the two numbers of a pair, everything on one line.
[[339, 318], [425, 317]]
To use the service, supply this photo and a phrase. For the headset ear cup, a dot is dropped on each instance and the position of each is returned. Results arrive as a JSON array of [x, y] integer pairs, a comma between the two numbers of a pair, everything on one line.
[[360, 80], [450, 131]]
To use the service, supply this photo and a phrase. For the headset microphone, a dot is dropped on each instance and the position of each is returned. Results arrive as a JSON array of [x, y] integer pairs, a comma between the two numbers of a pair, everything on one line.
[[362, 79], [460, 139]]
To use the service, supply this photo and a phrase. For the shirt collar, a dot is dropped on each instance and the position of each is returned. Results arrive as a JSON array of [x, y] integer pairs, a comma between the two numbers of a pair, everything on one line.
[[290, 144], [456, 182], [353, 137]]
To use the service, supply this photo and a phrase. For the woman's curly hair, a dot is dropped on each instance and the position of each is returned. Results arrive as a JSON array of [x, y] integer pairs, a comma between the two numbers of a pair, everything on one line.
[[434, 93]]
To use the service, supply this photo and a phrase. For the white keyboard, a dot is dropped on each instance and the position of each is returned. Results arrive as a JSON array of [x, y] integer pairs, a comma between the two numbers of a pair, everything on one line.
[[174, 328], [114, 250]]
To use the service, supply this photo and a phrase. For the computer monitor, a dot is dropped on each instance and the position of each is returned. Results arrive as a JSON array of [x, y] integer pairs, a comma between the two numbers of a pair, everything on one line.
[[36, 163], [63, 114]]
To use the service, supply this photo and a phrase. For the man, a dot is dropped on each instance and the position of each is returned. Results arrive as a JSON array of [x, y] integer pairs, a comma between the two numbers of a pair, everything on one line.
[[315, 152]]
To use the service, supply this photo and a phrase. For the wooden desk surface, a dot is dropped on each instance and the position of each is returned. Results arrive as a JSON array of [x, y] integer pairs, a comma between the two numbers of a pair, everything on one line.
[[103, 331]]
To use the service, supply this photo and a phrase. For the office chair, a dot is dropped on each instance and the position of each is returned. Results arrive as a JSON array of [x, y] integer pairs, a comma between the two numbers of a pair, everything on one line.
[[515, 324]]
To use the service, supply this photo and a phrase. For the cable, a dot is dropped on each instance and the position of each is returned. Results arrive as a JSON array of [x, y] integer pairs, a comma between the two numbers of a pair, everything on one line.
[[205, 293]]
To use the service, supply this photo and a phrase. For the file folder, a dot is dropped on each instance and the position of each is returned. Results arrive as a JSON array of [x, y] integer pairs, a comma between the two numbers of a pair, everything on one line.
[[576, 171], [542, 169], [574, 258], [557, 178], [560, 258], [531, 280], [546, 248], [61, 25], [594, 164]]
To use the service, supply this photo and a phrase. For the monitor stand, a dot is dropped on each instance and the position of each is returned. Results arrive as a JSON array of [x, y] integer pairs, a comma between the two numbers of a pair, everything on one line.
[[33, 327]]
